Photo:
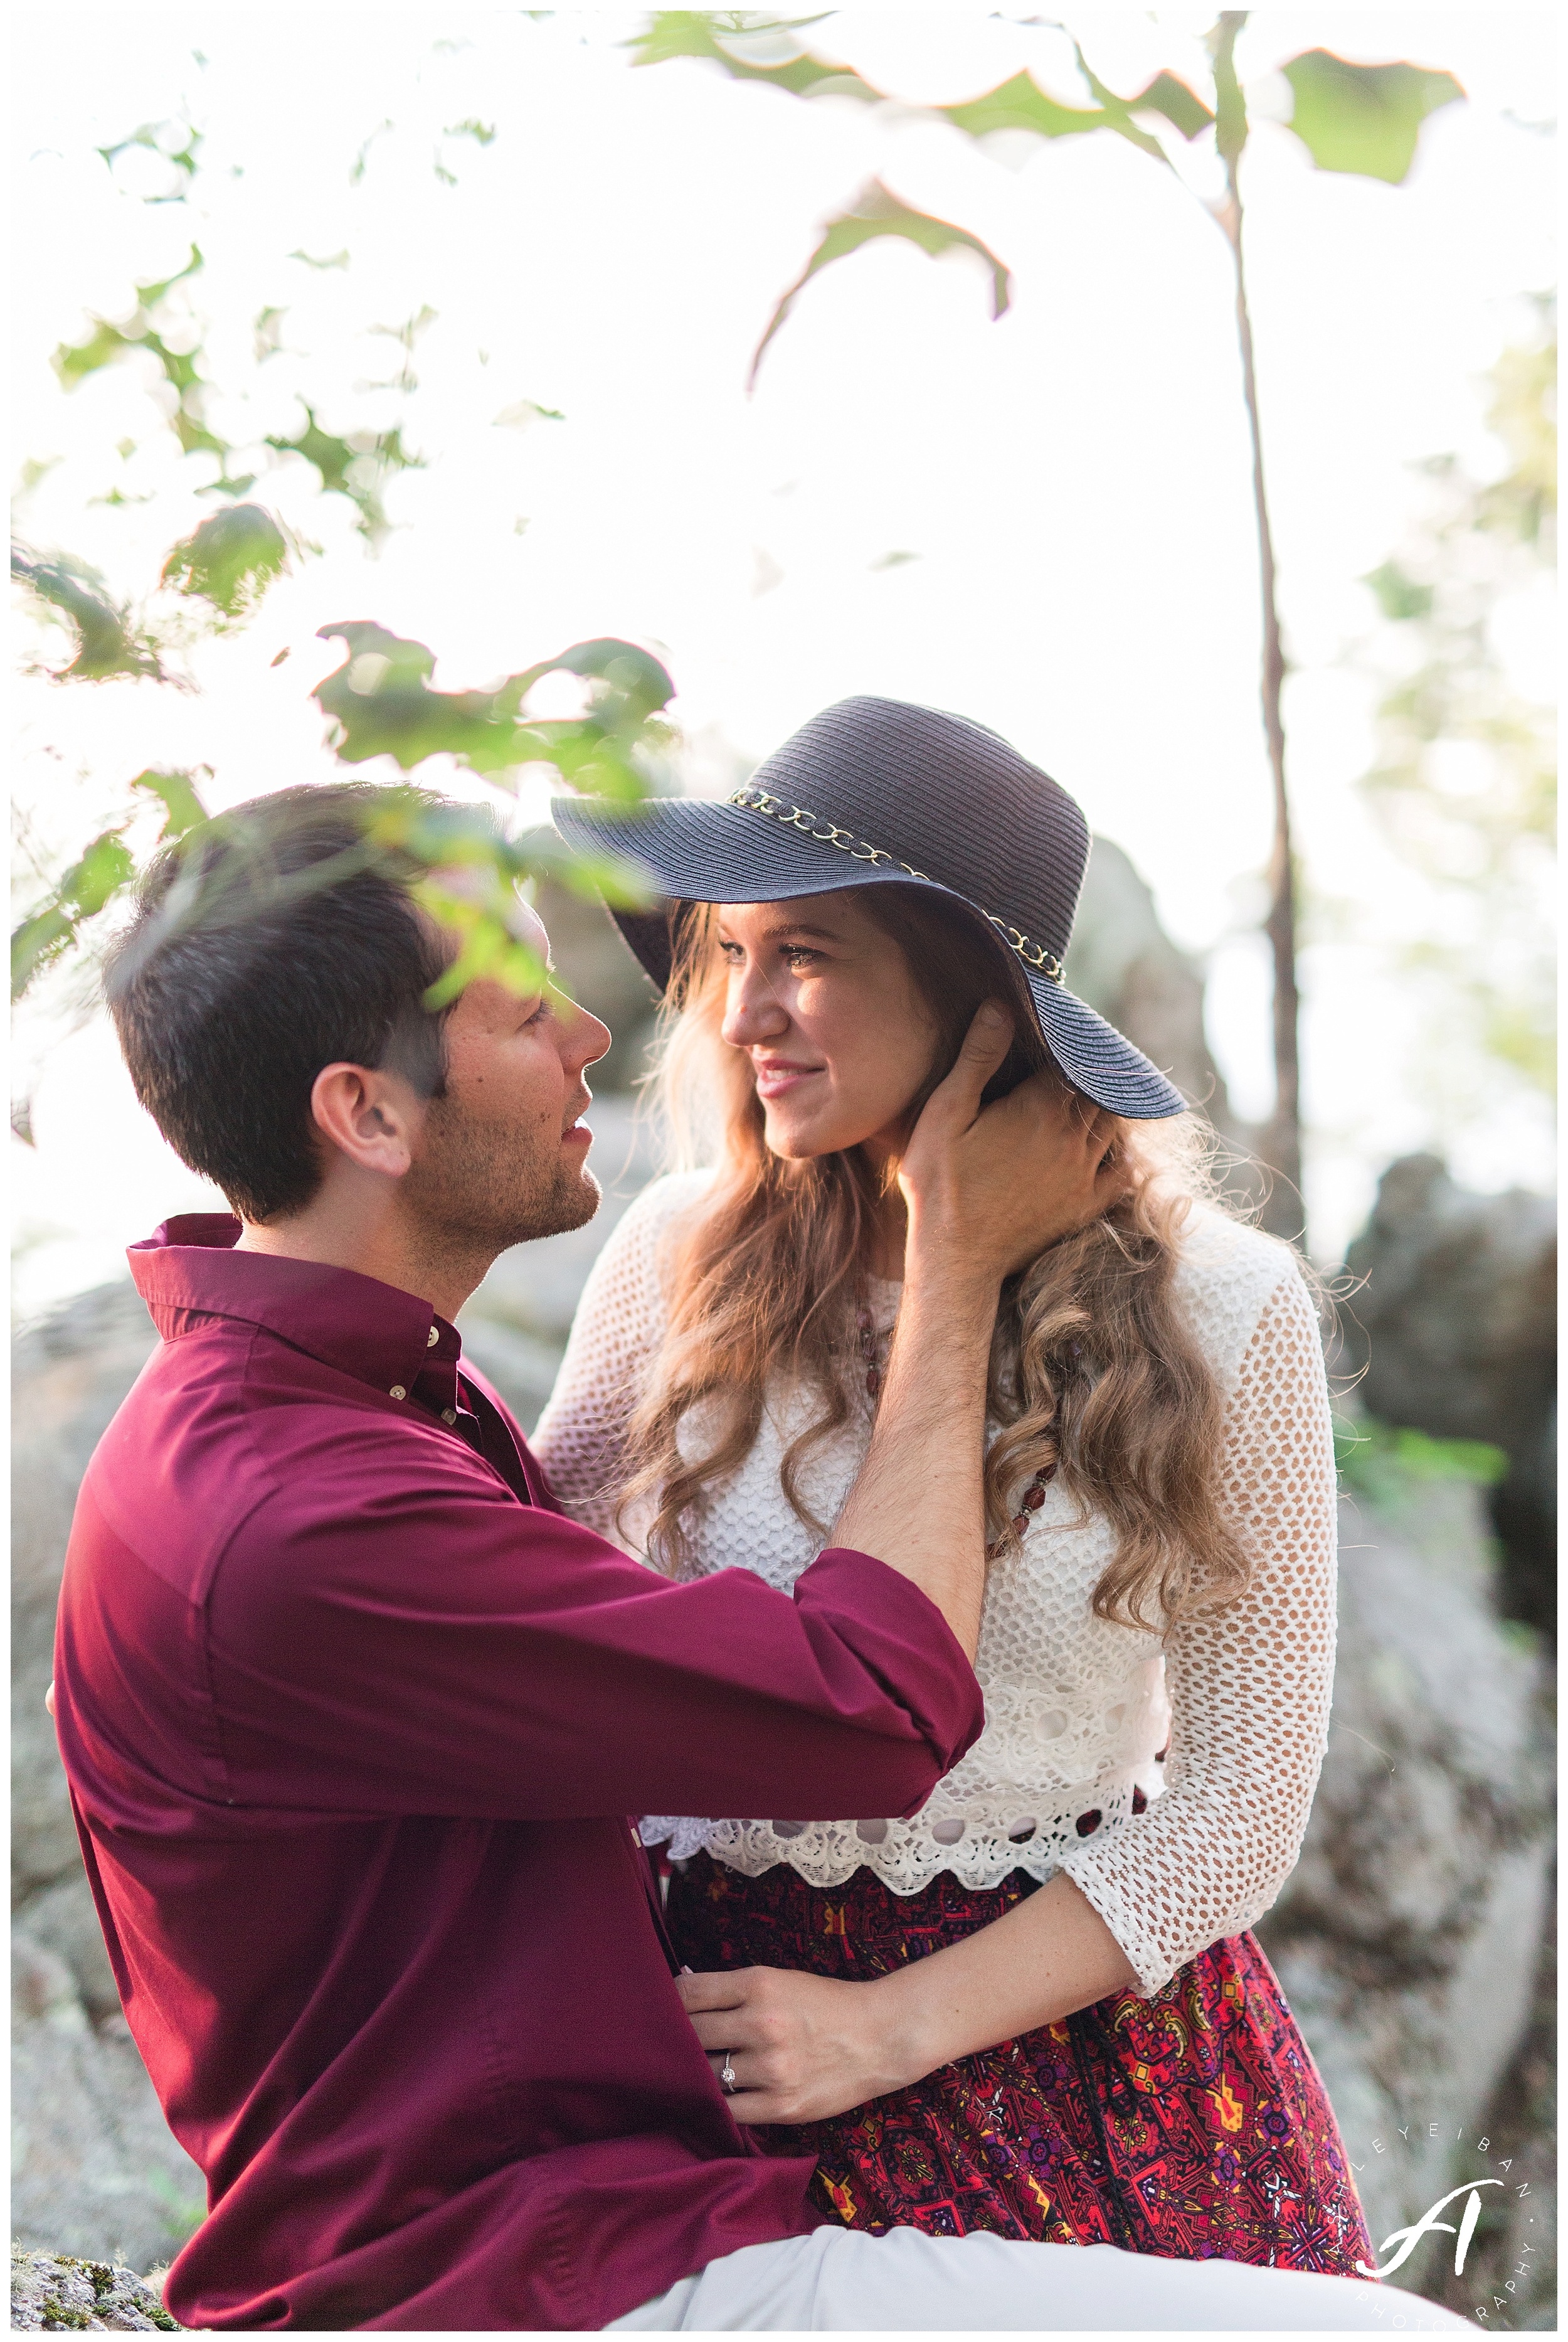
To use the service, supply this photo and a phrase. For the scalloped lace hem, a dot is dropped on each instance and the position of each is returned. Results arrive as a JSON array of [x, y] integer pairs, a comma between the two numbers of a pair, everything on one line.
[[979, 1850]]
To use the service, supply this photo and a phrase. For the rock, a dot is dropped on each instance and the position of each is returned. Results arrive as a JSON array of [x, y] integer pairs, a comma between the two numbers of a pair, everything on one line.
[[1122, 963], [1408, 1939], [68, 1376], [63, 1920], [1453, 1332], [55, 2291], [95, 2169]]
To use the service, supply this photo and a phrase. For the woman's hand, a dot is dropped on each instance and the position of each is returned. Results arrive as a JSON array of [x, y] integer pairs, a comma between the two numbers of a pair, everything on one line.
[[806, 2047], [993, 1187], [803, 2047]]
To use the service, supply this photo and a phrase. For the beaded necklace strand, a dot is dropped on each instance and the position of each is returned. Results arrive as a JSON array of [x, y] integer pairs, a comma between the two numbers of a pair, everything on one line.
[[1033, 1495]]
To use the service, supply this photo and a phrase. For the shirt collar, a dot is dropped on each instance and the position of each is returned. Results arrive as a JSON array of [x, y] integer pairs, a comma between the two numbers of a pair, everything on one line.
[[377, 1333]]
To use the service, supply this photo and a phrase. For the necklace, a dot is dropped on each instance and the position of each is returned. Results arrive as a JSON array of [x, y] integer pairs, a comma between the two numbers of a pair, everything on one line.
[[1033, 1495]]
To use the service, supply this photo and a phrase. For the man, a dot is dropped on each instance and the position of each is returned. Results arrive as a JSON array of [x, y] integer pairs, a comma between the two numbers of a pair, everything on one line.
[[354, 1718]]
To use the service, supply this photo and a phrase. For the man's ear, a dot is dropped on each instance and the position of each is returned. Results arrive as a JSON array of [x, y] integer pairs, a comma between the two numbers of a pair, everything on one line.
[[369, 1116]]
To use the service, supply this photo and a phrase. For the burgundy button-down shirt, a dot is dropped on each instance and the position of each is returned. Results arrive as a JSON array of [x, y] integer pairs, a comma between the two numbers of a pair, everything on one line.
[[354, 1720]]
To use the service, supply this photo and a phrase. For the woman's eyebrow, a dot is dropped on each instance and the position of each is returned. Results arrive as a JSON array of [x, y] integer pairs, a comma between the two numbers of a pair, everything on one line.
[[801, 927]]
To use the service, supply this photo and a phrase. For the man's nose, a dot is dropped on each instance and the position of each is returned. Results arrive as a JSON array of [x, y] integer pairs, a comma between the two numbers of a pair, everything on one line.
[[585, 1038], [754, 1012]]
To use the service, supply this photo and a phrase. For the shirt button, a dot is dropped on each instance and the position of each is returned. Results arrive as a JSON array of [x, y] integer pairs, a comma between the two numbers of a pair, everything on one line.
[[432, 1339], [448, 1414], [397, 1391]]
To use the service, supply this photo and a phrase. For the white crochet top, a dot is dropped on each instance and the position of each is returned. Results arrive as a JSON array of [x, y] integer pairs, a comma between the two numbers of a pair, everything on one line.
[[1076, 1708]]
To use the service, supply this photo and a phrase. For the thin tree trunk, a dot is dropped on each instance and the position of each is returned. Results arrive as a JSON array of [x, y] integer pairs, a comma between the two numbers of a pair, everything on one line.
[[1280, 1144]]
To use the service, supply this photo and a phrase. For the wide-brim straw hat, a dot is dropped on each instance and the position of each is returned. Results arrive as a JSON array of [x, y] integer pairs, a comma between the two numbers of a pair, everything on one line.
[[878, 792]]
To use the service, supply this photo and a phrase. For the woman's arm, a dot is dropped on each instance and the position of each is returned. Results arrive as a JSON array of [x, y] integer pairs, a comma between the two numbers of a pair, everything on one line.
[[806, 2047], [1250, 1688]]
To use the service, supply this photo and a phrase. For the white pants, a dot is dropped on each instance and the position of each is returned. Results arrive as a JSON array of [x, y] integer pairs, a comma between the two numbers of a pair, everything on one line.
[[838, 2280]]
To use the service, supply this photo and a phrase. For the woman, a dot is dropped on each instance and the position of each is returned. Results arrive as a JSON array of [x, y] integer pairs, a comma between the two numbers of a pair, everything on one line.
[[1035, 2007]]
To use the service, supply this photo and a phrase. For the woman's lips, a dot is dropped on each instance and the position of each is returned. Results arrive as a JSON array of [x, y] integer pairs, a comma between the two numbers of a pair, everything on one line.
[[778, 1076]]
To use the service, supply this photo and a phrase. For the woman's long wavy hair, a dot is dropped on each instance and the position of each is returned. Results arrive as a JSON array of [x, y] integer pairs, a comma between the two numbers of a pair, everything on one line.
[[1093, 1367]]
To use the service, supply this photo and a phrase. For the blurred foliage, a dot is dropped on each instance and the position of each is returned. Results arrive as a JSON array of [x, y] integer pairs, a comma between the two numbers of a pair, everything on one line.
[[230, 560], [1382, 1462], [1465, 781], [105, 870], [876, 211], [356, 466], [381, 704], [107, 643], [1350, 118], [227, 563], [165, 323], [1363, 118], [100, 877], [178, 143]]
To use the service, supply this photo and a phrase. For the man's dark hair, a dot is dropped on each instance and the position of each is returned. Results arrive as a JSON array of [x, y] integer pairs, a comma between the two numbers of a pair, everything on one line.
[[273, 940]]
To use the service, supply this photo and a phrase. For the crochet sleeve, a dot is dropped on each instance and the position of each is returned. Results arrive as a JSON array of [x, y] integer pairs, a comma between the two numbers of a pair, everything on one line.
[[1249, 1684], [581, 1438]]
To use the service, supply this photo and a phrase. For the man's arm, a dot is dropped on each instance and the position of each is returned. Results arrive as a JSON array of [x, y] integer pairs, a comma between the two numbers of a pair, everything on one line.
[[388, 1632]]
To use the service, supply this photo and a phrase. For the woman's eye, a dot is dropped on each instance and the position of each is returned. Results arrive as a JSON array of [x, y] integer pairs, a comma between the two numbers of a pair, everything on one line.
[[731, 953], [798, 954]]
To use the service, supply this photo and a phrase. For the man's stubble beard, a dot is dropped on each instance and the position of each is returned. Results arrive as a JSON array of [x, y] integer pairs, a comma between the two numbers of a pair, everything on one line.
[[477, 1189]]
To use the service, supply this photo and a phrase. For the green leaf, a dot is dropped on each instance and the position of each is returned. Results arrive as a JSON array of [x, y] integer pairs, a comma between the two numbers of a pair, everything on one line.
[[354, 468], [176, 791], [183, 157], [105, 644], [230, 560], [1363, 118], [1017, 105], [1398, 596], [1022, 105], [1180, 106], [105, 870], [36, 943], [876, 211], [382, 703], [694, 32], [73, 362]]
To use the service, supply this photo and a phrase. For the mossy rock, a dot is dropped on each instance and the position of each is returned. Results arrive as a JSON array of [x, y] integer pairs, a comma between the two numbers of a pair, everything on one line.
[[57, 2292]]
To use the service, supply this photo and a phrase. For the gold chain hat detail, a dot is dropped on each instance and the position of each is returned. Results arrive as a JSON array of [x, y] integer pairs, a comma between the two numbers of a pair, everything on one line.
[[794, 816]]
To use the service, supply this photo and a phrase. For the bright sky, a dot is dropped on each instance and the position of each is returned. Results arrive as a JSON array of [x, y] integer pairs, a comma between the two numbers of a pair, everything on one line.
[[1072, 481]]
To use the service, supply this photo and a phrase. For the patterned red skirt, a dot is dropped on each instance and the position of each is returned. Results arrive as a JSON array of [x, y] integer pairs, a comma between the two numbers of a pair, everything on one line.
[[1194, 2125]]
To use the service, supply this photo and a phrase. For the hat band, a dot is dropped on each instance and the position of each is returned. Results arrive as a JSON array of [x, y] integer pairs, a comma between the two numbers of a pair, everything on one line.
[[794, 816]]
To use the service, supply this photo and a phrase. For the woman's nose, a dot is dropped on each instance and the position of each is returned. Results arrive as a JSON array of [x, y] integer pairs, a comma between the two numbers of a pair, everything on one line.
[[753, 1011]]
